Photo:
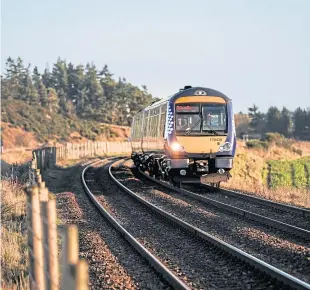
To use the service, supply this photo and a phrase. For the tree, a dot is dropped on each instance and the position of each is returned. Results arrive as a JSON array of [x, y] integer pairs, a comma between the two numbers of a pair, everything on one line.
[[86, 92], [42, 92], [36, 77], [286, 122], [257, 120], [31, 92], [95, 98], [12, 77], [62, 101], [273, 120], [5, 88], [47, 78], [302, 124], [76, 85], [242, 124], [52, 100]]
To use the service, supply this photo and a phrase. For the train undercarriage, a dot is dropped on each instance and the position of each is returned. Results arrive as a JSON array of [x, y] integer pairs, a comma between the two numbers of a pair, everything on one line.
[[178, 171]]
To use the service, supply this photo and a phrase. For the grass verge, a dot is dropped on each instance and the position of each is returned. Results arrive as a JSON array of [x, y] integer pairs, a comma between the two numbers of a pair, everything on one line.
[[14, 254]]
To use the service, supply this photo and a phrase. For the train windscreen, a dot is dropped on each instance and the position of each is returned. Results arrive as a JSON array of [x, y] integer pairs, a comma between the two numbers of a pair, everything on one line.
[[189, 117], [214, 117]]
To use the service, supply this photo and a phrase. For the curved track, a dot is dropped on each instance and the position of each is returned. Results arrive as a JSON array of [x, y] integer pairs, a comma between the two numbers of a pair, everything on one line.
[[299, 223], [247, 259], [244, 196], [160, 268]]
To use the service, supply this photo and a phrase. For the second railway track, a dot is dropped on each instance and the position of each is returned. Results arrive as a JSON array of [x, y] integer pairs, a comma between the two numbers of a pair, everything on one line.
[[205, 263]]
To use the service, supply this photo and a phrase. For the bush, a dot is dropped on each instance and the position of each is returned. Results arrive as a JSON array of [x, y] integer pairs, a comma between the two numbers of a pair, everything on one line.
[[257, 144], [297, 151], [274, 137]]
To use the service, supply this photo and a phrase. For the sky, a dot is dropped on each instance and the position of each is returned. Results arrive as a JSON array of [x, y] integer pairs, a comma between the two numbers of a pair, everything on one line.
[[254, 51]]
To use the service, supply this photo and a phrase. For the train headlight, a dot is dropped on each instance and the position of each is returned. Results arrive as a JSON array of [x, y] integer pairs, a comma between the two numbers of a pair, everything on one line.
[[176, 147], [225, 147]]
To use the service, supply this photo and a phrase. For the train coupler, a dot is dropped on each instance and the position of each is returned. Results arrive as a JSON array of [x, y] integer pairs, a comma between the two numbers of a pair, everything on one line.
[[215, 177]]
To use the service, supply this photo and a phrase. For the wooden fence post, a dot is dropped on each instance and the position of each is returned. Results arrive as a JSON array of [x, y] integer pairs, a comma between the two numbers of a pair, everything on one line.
[[35, 242], [70, 257], [37, 176], [30, 239], [43, 193], [82, 275], [50, 240]]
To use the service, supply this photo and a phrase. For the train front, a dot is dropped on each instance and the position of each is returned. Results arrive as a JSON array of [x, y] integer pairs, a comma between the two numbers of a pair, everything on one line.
[[200, 136]]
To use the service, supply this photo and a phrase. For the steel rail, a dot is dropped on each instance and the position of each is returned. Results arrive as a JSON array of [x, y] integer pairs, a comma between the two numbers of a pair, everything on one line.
[[303, 211], [173, 280], [242, 212], [258, 264]]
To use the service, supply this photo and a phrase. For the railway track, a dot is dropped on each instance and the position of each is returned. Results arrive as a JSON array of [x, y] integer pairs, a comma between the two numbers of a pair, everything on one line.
[[287, 218], [257, 200], [291, 215], [185, 251]]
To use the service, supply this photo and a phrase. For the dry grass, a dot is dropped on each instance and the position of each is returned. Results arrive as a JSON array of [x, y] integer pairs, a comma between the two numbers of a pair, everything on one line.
[[13, 237], [248, 169], [293, 196], [19, 155]]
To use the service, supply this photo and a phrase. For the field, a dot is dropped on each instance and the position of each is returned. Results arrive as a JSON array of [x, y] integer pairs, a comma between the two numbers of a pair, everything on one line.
[[275, 172], [289, 173]]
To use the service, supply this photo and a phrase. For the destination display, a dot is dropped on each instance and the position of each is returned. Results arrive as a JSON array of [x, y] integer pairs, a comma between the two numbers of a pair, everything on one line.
[[187, 108]]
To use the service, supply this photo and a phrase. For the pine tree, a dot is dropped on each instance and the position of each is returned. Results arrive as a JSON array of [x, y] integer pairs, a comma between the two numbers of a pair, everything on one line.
[[302, 124], [257, 120], [286, 122], [42, 92], [95, 98], [47, 79], [52, 100], [273, 120], [12, 79]]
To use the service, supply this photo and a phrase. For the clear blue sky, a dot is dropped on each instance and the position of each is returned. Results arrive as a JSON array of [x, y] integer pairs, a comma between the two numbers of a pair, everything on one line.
[[254, 51]]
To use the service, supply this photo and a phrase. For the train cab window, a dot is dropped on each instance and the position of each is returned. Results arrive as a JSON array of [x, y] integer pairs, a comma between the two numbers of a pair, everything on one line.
[[185, 122], [214, 117], [187, 117]]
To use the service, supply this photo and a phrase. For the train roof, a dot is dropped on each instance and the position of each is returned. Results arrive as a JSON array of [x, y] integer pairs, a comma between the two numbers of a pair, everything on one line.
[[188, 91]]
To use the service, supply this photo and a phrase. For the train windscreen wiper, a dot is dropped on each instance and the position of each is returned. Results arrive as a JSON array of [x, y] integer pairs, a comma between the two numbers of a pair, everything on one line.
[[212, 130], [189, 130]]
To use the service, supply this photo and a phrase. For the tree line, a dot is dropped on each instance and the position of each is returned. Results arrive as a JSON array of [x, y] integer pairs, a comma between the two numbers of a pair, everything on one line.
[[90, 93], [294, 124], [82, 91]]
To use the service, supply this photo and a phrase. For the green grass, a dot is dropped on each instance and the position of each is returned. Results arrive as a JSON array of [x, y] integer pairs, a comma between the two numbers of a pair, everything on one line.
[[289, 173], [281, 174], [300, 178], [265, 174]]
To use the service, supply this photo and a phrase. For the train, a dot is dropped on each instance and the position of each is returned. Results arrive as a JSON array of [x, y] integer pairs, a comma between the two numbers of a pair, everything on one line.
[[188, 137]]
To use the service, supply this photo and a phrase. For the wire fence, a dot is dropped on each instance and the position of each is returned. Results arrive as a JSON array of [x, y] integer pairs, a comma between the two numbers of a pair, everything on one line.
[[49, 156], [48, 269]]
